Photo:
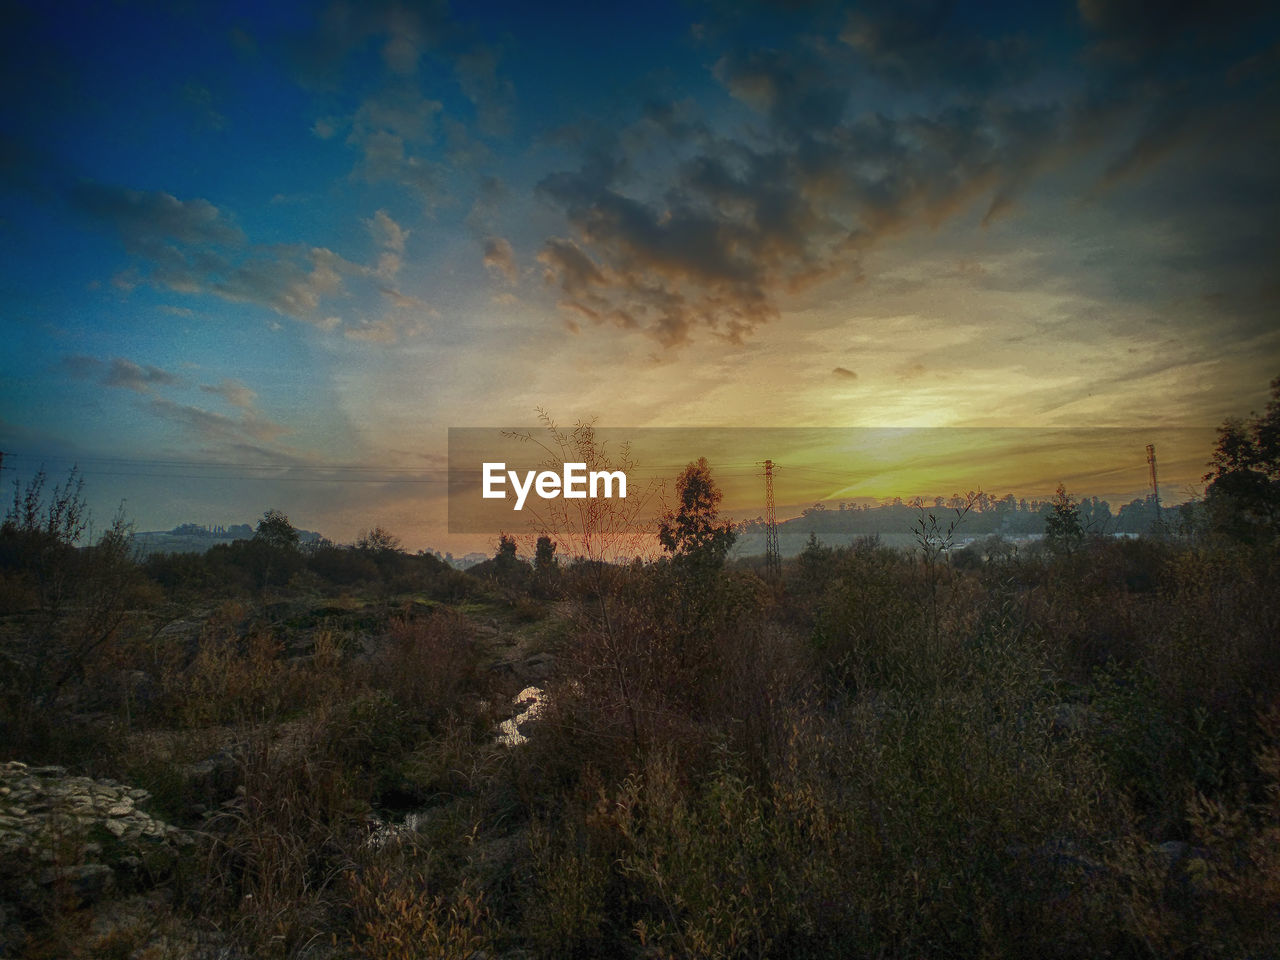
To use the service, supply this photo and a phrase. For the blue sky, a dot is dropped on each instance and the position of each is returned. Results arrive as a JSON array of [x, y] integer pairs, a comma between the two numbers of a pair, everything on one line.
[[290, 245]]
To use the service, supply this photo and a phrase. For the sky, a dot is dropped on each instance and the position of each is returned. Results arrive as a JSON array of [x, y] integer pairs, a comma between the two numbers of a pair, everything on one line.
[[262, 256]]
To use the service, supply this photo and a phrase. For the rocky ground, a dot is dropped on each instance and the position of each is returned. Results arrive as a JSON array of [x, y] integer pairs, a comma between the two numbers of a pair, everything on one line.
[[95, 850], [78, 841]]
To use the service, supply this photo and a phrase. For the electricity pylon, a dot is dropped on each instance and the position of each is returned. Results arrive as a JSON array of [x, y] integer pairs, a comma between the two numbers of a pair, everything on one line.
[[772, 556]]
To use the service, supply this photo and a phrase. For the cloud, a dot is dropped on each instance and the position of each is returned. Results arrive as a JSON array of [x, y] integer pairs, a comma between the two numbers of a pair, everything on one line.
[[795, 90], [391, 237], [385, 130], [386, 232], [387, 330], [146, 220], [387, 160], [131, 376], [293, 283], [193, 247], [854, 128], [919, 44], [119, 372], [575, 272], [745, 218], [407, 33], [213, 427], [735, 227], [1178, 75], [200, 99], [845, 373], [499, 259], [404, 301], [234, 392], [493, 95], [209, 426], [1133, 31]]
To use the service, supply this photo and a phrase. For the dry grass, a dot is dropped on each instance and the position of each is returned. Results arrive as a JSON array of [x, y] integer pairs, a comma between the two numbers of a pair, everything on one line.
[[1064, 758]]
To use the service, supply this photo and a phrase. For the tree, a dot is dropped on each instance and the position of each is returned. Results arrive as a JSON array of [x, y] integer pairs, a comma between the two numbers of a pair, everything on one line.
[[275, 530], [72, 600], [379, 540], [1243, 497], [544, 555], [272, 555], [1063, 531], [692, 533]]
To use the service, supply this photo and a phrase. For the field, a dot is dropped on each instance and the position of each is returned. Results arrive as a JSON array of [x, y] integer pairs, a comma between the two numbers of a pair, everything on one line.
[[1066, 754]]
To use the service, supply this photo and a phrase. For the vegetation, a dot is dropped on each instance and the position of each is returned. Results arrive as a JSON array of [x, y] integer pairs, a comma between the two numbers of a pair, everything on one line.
[[1244, 477], [1068, 753]]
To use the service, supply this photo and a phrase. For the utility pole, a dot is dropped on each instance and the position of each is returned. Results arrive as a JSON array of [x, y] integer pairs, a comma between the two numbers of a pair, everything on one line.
[[1155, 485], [772, 556]]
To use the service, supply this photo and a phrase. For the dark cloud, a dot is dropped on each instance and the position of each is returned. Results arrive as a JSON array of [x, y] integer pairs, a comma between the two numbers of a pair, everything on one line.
[[148, 219], [575, 272], [829, 165], [118, 372], [210, 427], [1136, 31], [845, 373], [737, 225], [1169, 75], [182, 242], [932, 44], [499, 258], [801, 194], [798, 91]]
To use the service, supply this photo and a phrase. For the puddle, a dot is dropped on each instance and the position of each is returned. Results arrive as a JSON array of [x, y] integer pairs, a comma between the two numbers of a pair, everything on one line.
[[532, 699]]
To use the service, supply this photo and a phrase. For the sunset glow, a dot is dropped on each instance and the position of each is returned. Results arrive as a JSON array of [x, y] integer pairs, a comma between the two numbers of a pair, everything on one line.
[[266, 256]]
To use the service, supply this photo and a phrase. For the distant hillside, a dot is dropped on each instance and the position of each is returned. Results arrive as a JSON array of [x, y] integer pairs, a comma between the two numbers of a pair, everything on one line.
[[197, 538]]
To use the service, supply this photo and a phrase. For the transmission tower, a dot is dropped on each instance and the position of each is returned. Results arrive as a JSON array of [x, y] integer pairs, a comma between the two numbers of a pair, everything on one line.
[[772, 556], [1155, 485]]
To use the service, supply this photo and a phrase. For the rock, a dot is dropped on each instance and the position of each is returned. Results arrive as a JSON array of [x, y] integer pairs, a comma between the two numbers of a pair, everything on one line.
[[78, 834]]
